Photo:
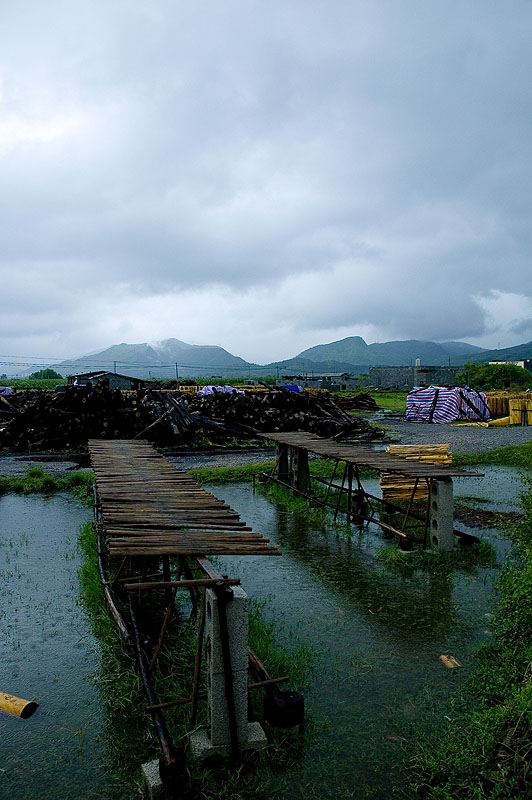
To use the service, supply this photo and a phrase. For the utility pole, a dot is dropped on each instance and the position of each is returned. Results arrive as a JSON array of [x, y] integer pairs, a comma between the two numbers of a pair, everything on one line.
[[176, 373], [114, 366]]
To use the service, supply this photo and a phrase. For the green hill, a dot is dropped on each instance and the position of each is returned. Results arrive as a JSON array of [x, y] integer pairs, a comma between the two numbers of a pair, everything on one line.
[[354, 350]]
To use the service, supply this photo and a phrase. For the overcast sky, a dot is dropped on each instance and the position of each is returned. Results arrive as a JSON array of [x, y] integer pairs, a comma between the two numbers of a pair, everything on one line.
[[264, 176]]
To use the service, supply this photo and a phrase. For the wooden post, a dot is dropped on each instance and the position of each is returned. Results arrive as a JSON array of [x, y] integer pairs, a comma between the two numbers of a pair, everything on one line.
[[349, 488], [300, 471], [282, 462]]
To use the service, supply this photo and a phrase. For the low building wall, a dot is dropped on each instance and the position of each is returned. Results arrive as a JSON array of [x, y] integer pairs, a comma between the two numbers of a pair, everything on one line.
[[407, 377]]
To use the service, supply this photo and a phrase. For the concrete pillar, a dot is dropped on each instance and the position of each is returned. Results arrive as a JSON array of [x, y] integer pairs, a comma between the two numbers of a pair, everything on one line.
[[441, 517], [152, 780], [283, 472], [300, 471], [215, 739]]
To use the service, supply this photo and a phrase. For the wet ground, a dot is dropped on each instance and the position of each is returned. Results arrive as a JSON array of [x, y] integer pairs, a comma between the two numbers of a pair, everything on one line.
[[376, 639]]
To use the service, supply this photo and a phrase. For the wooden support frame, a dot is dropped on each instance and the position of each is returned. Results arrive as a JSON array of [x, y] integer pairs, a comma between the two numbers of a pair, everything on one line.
[[350, 474]]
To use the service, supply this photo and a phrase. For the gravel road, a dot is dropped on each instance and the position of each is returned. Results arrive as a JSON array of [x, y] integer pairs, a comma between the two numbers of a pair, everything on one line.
[[462, 439]]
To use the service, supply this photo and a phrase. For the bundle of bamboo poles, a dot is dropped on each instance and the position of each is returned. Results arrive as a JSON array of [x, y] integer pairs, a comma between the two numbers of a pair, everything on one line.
[[521, 410], [499, 402], [399, 487]]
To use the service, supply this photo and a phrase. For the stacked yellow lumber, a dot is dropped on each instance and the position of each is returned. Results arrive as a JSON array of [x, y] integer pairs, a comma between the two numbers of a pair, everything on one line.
[[189, 389], [521, 409], [500, 422], [499, 402], [398, 487]]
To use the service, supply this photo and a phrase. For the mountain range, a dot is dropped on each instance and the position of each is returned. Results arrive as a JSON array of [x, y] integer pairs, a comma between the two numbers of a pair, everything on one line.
[[172, 357]]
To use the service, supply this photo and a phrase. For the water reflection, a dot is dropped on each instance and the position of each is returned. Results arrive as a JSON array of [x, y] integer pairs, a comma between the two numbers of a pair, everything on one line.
[[401, 605]]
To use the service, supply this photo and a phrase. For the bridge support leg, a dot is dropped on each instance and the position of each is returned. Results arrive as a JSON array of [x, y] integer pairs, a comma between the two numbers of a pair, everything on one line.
[[282, 462], [228, 731], [300, 470], [441, 514]]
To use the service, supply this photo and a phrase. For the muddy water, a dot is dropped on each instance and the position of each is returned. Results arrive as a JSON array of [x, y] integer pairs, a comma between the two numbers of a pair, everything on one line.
[[47, 653], [377, 639]]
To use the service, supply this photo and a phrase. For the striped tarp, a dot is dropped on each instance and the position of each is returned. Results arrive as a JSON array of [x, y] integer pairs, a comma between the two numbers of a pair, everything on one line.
[[440, 404]]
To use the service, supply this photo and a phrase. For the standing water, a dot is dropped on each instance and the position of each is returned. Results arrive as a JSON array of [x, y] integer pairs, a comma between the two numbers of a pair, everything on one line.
[[47, 653], [376, 637]]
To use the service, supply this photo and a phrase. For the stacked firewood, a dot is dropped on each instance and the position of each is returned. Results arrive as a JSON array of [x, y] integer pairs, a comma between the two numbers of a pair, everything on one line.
[[283, 410], [356, 402], [65, 420], [40, 420]]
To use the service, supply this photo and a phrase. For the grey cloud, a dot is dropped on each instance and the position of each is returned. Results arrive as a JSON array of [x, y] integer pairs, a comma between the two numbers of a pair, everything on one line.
[[523, 326], [242, 144]]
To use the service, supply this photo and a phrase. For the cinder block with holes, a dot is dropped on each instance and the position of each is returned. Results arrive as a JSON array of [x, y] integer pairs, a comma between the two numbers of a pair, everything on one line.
[[441, 517]]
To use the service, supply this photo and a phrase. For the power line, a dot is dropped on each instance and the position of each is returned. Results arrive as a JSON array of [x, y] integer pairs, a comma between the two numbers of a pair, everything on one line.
[[30, 362]]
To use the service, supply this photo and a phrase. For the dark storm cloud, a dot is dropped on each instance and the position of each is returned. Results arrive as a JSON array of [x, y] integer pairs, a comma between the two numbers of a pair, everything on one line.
[[375, 158]]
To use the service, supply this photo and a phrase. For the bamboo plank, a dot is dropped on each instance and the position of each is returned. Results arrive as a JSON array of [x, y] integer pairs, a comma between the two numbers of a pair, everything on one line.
[[149, 508]]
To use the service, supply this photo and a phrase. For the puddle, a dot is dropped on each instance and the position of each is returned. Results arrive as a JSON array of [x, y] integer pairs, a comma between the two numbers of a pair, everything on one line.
[[211, 460], [501, 485], [47, 653]]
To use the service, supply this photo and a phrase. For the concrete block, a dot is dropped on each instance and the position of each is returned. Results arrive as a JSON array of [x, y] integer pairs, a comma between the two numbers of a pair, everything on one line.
[[152, 780], [217, 713], [441, 516], [237, 625], [202, 746]]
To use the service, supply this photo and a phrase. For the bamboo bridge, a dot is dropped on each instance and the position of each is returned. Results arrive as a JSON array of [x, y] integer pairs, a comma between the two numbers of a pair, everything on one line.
[[292, 470], [156, 527]]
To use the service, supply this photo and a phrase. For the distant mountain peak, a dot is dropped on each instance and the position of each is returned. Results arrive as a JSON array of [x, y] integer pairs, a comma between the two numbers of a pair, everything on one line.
[[170, 358]]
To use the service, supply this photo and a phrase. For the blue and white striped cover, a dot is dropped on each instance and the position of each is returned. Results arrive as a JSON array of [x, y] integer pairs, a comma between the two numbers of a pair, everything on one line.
[[450, 405]]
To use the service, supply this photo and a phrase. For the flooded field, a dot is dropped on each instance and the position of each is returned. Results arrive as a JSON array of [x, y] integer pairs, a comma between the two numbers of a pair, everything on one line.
[[47, 653], [376, 639]]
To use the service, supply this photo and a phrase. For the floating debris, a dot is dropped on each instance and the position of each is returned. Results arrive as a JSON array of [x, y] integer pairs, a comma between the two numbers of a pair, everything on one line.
[[450, 661]]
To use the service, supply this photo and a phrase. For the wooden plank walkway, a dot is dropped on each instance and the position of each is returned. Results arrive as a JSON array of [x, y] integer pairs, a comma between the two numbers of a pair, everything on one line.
[[150, 508], [376, 459]]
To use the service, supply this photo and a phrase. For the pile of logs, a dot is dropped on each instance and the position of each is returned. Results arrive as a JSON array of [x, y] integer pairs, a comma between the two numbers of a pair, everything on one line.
[[282, 410], [40, 420], [356, 402]]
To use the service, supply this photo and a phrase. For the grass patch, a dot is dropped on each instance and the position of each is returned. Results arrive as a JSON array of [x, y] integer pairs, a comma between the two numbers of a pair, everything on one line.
[[298, 505], [488, 752], [391, 401], [37, 480], [32, 383], [319, 468], [245, 473], [472, 498], [462, 557], [518, 455]]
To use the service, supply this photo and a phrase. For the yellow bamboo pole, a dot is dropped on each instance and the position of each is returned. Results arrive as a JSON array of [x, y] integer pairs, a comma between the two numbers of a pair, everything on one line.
[[16, 705]]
